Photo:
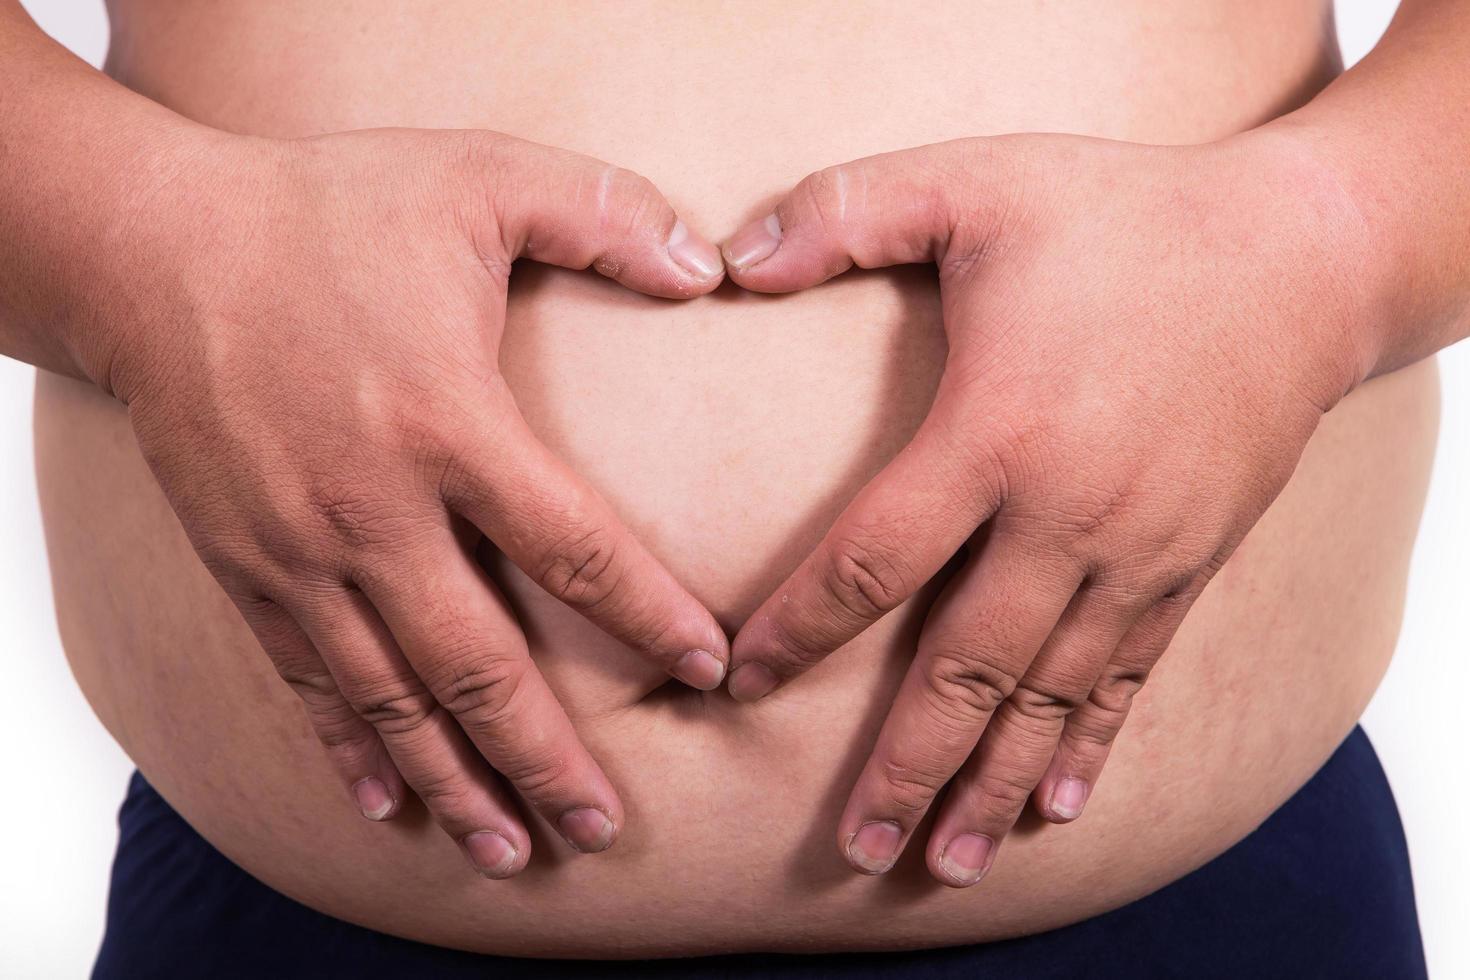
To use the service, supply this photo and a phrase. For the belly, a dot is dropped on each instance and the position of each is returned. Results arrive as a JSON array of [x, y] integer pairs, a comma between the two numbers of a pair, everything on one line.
[[729, 432]]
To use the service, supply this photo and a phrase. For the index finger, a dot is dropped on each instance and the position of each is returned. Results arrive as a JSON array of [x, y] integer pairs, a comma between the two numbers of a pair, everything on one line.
[[567, 539], [896, 535]]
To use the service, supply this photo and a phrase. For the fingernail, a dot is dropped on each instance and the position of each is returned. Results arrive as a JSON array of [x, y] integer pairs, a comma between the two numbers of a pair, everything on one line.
[[697, 256], [587, 829], [700, 669], [753, 243], [874, 848], [373, 798], [966, 858], [751, 682], [492, 855], [1068, 798]]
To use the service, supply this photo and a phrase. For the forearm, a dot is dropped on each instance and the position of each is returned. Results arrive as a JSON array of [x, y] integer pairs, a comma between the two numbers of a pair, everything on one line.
[[1395, 132], [84, 159]]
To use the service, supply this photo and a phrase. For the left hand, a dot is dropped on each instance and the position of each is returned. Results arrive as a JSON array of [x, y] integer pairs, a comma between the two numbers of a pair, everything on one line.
[[1141, 341]]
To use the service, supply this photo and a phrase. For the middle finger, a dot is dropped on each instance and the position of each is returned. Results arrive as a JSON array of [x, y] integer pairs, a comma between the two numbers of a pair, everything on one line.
[[461, 638], [977, 643]]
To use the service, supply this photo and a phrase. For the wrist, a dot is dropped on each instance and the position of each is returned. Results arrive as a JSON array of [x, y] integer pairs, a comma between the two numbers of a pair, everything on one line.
[[149, 251], [1350, 264]]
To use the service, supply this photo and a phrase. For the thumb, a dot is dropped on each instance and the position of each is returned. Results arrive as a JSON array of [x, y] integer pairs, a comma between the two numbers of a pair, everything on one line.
[[569, 210], [891, 209]]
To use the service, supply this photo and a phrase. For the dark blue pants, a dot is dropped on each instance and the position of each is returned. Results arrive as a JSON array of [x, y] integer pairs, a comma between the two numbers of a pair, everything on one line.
[[1322, 889]]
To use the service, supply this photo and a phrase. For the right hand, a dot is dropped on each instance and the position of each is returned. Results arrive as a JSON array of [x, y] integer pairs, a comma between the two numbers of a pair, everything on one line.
[[307, 339]]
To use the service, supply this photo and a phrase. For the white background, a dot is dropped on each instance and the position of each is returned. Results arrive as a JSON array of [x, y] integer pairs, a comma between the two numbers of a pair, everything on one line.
[[64, 777]]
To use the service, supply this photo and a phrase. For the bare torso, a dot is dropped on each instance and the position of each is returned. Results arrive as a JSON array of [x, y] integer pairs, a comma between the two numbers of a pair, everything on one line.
[[728, 432]]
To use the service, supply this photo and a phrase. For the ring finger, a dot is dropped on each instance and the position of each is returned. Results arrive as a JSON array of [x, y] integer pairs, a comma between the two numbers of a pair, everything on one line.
[[987, 796]]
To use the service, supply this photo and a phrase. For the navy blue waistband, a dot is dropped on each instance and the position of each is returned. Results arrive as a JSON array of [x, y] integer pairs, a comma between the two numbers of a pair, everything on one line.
[[1321, 889]]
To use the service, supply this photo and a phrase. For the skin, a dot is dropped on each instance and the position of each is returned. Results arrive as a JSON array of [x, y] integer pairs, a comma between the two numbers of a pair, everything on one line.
[[1098, 453], [38, 341], [730, 807]]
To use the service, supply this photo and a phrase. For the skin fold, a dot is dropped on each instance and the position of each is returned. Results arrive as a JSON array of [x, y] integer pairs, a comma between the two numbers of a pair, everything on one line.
[[390, 397]]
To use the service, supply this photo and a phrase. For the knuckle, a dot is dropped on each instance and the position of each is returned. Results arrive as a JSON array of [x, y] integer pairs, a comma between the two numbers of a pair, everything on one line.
[[1011, 445], [1004, 789], [582, 569], [1037, 705], [1126, 585], [1174, 585], [311, 682], [1175, 600], [795, 636], [292, 656], [1151, 572], [1113, 696], [396, 710], [380, 570], [481, 690], [632, 201], [537, 775], [1107, 709], [910, 786], [446, 794], [338, 730], [478, 164], [978, 227], [1083, 522], [428, 438], [1153, 582], [346, 509], [334, 722], [974, 473], [867, 577], [451, 453], [1156, 628], [1174, 558], [478, 151], [821, 195], [361, 522], [263, 616], [1187, 583], [1096, 728], [970, 681]]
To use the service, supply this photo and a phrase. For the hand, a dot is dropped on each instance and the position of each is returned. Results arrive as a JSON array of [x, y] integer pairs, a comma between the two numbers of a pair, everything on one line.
[[1141, 341], [310, 359]]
